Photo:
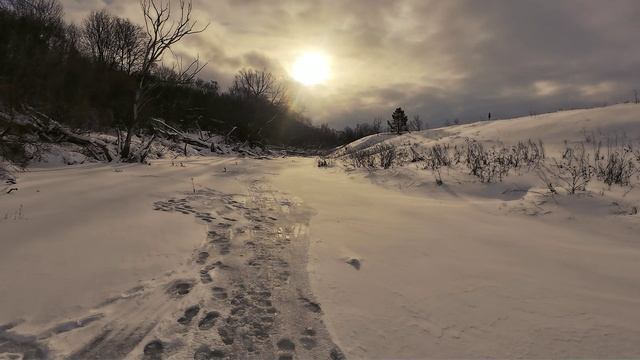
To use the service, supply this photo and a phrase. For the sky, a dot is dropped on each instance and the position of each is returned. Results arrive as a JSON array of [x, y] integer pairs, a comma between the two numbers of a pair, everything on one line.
[[440, 59]]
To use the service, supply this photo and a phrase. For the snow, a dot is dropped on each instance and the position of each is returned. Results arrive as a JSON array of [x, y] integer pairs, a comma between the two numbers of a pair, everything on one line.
[[400, 267], [72, 237], [456, 277], [471, 270], [101, 261]]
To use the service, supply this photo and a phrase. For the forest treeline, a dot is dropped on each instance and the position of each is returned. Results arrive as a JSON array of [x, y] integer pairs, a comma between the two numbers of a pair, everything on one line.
[[101, 74]]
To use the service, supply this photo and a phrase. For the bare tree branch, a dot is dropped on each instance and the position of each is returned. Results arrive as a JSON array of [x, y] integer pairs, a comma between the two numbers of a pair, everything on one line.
[[258, 84], [163, 31]]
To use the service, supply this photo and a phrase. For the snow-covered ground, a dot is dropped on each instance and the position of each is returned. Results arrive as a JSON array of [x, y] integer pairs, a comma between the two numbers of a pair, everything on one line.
[[180, 257], [470, 270], [457, 276], [102, 261], [74, 236]]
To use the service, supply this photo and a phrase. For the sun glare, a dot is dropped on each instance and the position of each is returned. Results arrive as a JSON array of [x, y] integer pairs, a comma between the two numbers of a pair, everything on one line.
[[311, 68]]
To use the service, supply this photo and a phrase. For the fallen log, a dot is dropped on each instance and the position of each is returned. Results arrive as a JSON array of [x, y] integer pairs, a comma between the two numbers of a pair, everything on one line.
[[52, 131], [170, 131]]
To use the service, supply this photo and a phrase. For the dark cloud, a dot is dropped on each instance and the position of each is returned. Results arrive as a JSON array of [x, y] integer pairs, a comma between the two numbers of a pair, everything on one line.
[[256, 60], [442, 59]]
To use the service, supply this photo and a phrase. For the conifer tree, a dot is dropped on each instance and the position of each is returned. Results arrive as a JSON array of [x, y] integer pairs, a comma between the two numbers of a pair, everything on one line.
[[398, 122]]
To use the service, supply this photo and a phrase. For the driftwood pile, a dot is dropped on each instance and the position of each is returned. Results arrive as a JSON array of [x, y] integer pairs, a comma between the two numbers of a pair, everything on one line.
[[33, 126], [176, 135], [30, 127]]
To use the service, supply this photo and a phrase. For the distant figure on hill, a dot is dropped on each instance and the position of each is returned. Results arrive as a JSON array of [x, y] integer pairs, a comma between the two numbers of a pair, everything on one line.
[[489, 117]]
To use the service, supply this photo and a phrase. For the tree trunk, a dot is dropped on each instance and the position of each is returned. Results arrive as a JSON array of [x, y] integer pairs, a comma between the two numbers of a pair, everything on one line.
[[126, 148]]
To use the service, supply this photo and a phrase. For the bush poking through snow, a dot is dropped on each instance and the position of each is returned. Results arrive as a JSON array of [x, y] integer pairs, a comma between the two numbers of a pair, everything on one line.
[[384, 156], [488, 164], [572, 172], [325, 162], [360, 159], [7, 179], [616, 166], [493, 164], [435, 158], [387, 155]]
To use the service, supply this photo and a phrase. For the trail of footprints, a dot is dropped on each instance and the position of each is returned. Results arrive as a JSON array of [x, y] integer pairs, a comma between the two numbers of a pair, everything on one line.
[[244, 296], [239, 319]]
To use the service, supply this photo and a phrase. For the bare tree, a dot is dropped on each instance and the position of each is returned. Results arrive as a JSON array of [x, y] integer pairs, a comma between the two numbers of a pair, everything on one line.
[[48, 12], [73, 34], [115, 42], [376, 126], [258, 84], [130, 39], [98, 37], [163, 31], [129, 45], [415, 124], [178, 73]]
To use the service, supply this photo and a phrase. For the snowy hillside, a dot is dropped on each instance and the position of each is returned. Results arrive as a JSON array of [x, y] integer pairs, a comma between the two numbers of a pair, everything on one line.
[[601, 133], [622, 121]]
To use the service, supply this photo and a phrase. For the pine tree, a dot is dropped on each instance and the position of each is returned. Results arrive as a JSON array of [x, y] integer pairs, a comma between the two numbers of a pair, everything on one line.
[[398, 124]]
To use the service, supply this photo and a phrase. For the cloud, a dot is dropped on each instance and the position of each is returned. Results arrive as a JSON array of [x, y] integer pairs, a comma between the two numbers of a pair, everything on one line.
[[440, 59]]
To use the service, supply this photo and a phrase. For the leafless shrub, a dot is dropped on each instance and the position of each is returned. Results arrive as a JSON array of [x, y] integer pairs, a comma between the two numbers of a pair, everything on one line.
[[475, 157], [387, 155], [493, 164], [435, 158], [527, 153], [617, 165], [546, 179], [381, 155], [415, 124], [457, 155], [440, 155], [415, 156], [572, 172], [325, 162], [489, 165], [361, 158]]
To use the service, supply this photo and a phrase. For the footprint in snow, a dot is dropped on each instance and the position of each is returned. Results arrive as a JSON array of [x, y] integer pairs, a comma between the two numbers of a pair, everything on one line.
[[354, 262], [189, 314]]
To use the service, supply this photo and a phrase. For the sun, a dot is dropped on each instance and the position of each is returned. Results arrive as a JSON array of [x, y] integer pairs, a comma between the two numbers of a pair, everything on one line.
[[311, 68]]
